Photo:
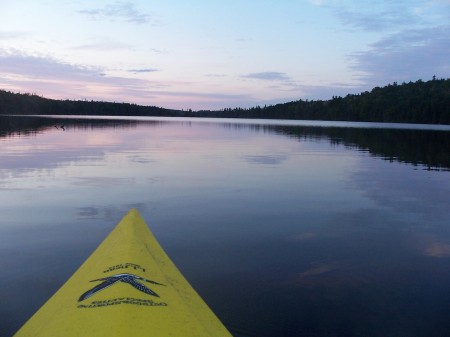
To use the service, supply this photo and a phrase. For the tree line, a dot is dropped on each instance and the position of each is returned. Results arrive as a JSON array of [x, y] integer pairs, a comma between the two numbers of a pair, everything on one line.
[[413, 102], [425, 102], [32, 104]]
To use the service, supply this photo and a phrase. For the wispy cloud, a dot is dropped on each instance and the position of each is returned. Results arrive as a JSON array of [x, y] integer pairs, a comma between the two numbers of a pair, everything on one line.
[[215, 75], [125, 11], [278, 81], [381, 20], [382, 16], [409, 55], [34, 67], [103, 44], [157, 51], [413, 41], [400, 57], [144, 70], [55, 79], [268, 76]]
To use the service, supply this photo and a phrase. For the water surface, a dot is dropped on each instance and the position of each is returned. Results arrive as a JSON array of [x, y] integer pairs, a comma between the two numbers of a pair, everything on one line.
[[285, 229]]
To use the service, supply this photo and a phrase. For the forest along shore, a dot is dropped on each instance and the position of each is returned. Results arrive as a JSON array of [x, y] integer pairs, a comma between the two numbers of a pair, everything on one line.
[[424, 102]]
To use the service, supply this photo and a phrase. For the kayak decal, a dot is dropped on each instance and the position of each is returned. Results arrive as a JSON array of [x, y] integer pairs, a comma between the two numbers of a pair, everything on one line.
[[130, 279], [122, 300], [127, 265]]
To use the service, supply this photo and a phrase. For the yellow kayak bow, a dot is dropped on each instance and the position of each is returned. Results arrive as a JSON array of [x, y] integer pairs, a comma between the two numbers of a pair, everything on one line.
[[127, 287]]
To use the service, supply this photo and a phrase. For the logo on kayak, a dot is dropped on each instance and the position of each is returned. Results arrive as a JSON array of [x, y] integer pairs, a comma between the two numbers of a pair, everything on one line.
[[130, 279]]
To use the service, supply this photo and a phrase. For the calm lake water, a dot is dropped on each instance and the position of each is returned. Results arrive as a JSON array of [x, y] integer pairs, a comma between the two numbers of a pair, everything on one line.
[[285, 229]]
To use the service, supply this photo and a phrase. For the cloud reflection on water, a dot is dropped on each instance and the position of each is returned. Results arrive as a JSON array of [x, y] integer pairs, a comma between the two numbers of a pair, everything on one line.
[[438, 249], [266, 159], [340, 228]]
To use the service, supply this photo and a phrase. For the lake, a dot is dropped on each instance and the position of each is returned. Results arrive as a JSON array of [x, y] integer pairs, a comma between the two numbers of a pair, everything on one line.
[[284, 228]]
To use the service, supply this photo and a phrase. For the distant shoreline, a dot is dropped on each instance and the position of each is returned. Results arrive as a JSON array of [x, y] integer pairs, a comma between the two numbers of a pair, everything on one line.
[[413, 103], [255, 121]]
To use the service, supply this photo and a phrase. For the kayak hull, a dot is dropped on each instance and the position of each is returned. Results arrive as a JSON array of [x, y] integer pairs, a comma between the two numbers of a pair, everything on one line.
[[127, 287]]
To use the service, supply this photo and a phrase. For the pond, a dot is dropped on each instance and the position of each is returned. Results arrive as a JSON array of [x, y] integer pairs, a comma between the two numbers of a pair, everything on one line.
[[284, 228]]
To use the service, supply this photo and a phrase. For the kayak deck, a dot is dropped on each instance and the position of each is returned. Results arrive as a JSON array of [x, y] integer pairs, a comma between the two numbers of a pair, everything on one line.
[[127, 287]]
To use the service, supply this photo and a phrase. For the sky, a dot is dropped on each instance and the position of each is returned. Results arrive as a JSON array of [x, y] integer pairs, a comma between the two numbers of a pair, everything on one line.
[[210, 54]]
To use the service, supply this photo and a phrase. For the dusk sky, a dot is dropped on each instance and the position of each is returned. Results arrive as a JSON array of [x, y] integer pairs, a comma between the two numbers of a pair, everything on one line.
[[208, 54]]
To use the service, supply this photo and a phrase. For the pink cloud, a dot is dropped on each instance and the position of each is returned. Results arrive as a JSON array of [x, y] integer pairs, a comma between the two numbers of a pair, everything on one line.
[[55, 79]]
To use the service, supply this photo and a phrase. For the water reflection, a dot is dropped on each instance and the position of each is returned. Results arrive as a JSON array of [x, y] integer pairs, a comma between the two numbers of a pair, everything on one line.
[[266, 159], [426, 148], [284, 230], [418, 147], [26, 125]]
